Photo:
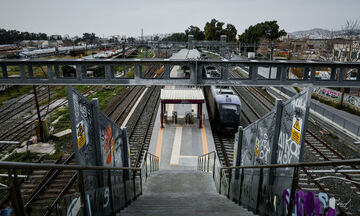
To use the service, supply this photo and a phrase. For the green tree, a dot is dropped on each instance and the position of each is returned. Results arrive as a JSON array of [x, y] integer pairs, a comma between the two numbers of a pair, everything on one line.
[[230, 32], [214, 29], [90, 38], [13, 36], [211, 30], [265, 30], [176, 37], [194, 30]]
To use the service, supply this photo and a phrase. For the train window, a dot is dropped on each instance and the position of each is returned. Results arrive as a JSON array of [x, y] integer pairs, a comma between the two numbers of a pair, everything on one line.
[[226, 92], [229, 106]]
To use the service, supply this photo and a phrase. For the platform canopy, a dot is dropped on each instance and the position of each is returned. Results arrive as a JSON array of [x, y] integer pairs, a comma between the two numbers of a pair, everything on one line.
[[181, 96]]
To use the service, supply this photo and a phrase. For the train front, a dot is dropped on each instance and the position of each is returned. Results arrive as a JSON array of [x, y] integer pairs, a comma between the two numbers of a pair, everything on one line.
[[229, 107]]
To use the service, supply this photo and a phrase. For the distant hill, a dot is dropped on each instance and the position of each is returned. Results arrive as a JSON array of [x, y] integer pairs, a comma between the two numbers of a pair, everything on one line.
[[312, 33], [319, 33]]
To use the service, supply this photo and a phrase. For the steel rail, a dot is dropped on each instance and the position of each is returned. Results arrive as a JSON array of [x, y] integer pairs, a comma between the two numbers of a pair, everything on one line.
[[28, 125], [121, 100], [227, 161], [67, 186], [71, 181], [47, 180], [138, 159], [4, 116], [28, 173]]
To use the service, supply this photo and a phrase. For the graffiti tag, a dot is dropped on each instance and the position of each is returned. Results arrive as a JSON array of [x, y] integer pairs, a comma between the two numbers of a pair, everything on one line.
[[308, 203]]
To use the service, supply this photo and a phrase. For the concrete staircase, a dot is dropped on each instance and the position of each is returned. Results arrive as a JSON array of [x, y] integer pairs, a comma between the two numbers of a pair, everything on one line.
[[182, 192]]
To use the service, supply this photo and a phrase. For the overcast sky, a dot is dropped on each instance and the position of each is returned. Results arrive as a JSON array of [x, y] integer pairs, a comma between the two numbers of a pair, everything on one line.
[[127, 17]]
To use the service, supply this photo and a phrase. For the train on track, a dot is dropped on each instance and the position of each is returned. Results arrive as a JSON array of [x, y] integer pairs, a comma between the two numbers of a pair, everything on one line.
[[224, 105]]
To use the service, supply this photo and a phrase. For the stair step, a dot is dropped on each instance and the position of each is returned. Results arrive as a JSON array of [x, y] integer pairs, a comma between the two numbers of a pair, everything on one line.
[[182, 192]]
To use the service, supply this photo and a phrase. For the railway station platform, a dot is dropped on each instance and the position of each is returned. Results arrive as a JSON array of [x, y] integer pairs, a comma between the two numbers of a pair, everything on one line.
[[178, 145]]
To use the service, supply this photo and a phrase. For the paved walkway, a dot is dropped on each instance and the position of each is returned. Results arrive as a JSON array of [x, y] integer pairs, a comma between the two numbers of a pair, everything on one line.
[[179, 145], [348, 116]]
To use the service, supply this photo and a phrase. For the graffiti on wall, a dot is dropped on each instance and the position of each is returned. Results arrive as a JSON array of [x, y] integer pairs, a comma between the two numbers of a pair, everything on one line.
[[353, 100], [82, 120], [258, 147], [257, 141], [309, 203], [264, 137], [333, 94], [98, 142], [247, 147], [107, 144], [328, 93], [291, 129]]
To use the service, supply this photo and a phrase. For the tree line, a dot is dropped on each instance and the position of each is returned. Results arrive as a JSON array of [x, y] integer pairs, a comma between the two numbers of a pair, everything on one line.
[[269, 30], [14, 36], [212, 31]]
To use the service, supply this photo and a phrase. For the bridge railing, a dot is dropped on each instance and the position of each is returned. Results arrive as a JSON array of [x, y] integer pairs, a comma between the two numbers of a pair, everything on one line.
[[130, 72], [291, 199], [120, 186]]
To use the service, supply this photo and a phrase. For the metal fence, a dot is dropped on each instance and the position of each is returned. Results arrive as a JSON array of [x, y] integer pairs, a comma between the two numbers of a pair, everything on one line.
[[337, 119], [292, 199], [331, 116], [110, 199], [25, 72]]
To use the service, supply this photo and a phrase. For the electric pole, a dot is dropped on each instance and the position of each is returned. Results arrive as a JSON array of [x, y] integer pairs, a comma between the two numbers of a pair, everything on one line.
[[39, 115]]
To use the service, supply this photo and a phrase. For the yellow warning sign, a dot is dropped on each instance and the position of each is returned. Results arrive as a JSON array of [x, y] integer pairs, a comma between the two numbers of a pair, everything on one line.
[[295, 135], [257, 148], [81, 137], [297, 125]]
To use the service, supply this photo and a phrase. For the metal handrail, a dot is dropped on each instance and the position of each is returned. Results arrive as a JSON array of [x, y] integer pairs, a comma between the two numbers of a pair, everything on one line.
[[14, 187], [46, 180], [207, 154], [302, 164], [152, 155], [296, 166], [7, 196], [48, 166], [53, 76], [67, 186], [179, 61]]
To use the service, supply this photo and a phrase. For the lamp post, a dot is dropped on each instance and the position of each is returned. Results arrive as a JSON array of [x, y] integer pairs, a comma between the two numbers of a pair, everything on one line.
[[268, 33]]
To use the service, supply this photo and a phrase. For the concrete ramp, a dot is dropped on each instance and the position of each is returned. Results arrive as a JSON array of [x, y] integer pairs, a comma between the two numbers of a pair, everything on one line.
[[182, 192]]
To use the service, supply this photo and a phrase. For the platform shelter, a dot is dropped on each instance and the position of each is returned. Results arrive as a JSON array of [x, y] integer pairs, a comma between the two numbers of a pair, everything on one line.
[[181, 96]]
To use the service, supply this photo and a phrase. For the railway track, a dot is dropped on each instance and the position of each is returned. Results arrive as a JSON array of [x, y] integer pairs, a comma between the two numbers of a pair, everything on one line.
[[22, 104], [224, 145], [141, 123], [315, 150], [25, 127], [139, 129], [120, 111]]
